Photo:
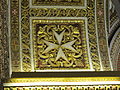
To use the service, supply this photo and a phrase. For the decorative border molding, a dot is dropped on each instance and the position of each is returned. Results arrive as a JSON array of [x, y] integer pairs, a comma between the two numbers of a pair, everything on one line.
[[52, 5], [70, 87], [63, 81]]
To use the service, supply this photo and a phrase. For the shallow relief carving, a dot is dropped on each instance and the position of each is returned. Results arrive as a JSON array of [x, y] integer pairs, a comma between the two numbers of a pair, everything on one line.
[[58, 2], [60, 44], [88, 12]]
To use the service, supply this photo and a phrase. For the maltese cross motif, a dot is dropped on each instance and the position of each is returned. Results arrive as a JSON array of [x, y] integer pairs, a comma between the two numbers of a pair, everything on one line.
[[59, 46]]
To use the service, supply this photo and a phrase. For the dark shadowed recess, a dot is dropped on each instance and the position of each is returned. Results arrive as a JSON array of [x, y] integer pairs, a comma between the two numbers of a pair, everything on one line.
[[66, 74]]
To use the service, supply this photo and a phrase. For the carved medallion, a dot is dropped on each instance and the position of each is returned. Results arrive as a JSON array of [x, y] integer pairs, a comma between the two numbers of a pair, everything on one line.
[[61, 45]]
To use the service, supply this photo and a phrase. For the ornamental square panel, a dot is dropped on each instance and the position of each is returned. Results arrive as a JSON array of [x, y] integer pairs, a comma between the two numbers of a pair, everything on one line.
[[60, 44]]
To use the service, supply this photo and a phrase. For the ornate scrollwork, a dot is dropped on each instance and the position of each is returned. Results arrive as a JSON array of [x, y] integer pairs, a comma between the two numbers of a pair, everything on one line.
[[27, 12], [57, 12], [25, 33], [58, 2], [59, 45]]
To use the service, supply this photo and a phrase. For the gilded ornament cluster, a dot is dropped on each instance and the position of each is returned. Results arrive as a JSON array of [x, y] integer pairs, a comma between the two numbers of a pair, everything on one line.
[[58, 2], [25, 47], [60, 45]]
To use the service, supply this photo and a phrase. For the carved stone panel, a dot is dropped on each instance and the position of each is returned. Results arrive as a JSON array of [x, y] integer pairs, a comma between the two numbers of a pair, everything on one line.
[[60, 45], [56, 36]]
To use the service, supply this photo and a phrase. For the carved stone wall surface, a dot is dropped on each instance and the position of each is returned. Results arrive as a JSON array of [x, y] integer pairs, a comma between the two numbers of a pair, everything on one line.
[[114, 21], [114, 39], [115, 50], [58, 20], [118, 63], [4, 63]]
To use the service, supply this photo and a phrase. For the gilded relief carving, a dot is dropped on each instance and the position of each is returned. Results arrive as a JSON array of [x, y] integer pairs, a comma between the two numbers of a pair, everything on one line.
[[64, 83], [58, 2], [57, 12], [60, 45], [21, 49]]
